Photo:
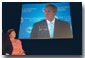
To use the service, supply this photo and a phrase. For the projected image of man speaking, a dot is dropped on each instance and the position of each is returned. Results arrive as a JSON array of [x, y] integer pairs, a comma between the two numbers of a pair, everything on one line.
[[51, 27]]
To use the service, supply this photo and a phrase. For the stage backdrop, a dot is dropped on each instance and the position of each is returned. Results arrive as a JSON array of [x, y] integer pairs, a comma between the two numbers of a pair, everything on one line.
[[33, 13]]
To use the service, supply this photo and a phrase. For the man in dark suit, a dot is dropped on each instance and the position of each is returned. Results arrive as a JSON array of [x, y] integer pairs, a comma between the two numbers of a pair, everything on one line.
[[6, 44], [51, 27]]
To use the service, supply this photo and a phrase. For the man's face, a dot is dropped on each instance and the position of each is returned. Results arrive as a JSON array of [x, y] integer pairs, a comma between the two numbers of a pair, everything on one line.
[[49, 14]]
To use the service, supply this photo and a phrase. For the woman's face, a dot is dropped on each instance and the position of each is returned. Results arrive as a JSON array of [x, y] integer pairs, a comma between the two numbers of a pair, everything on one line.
[[13, 34]]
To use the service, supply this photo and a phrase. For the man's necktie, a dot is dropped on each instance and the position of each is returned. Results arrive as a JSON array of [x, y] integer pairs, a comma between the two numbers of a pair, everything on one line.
[[51, 29]]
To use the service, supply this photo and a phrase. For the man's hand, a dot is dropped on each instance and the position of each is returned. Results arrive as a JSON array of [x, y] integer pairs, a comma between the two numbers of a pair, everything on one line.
[[7, 54]]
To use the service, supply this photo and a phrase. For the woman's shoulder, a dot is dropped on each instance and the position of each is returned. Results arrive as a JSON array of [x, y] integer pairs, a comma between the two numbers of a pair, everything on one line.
[[18, 40]]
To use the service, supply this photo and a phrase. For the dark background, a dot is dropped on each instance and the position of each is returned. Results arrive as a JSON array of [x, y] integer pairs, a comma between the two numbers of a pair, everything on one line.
[[11, 14]]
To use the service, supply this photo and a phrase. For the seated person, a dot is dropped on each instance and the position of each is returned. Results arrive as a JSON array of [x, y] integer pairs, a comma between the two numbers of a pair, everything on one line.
[[16, 43], [6, 44]]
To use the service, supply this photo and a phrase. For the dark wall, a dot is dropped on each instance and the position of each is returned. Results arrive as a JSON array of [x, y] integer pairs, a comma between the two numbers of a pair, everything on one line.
[[11, 14]]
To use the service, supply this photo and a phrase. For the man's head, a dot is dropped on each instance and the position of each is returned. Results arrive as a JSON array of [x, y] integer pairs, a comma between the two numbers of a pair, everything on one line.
[[50, 12]]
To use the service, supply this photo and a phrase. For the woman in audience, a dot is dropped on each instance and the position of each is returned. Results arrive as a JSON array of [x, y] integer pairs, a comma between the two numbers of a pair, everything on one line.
[[16, 43]]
